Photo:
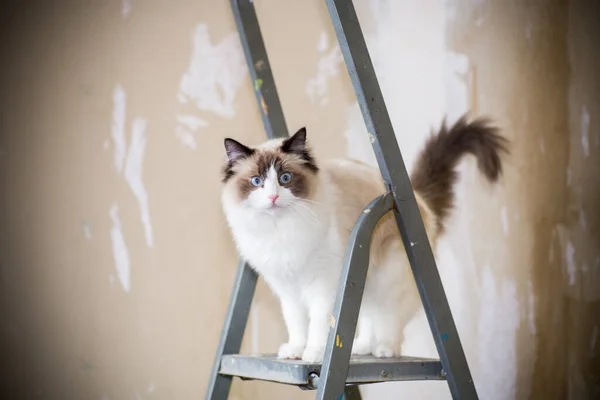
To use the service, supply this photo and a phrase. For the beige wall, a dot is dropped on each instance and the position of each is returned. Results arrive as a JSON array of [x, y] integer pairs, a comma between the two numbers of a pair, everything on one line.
[[115, 261]]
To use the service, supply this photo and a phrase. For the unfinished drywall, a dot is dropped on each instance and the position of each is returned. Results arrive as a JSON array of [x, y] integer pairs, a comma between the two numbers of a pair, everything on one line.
[[116, 264]]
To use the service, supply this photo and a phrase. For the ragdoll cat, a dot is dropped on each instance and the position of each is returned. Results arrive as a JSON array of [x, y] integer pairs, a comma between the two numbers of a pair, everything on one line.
[[291, 217]]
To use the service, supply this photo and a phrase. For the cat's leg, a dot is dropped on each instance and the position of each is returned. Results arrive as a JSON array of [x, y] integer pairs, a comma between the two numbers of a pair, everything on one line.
[[296, 321], [320, 306], [387, 331], [394, 300], [364, 336]]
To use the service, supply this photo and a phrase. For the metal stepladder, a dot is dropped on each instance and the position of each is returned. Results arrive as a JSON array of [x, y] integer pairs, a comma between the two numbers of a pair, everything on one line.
[[339, 376]]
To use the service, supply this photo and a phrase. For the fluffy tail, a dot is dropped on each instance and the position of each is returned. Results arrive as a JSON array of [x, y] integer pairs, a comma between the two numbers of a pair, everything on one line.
[[434, 173]]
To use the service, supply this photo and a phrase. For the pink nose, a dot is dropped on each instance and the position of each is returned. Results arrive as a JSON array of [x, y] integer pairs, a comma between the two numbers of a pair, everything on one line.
[[273, 198]]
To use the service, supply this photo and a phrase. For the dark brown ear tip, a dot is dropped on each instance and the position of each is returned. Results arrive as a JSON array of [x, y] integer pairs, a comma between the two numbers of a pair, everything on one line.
[[301, 132]]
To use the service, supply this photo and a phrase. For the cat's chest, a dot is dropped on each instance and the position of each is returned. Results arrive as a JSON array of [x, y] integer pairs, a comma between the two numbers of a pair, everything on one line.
[[280, 248]]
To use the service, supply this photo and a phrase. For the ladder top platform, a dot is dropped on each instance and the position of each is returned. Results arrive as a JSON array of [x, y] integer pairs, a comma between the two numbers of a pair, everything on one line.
[[362, 369]]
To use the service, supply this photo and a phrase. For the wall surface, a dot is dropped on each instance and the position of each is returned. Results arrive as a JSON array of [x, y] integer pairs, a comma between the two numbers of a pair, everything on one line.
[[116, 264]]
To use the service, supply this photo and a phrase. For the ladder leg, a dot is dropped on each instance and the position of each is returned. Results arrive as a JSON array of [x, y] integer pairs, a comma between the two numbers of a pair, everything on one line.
[[259, 67], [410, 223], [233, 329], [332, 380], [352, 393]]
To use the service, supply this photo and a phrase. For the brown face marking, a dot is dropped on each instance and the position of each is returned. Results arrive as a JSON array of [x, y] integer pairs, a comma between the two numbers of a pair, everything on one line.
[[293, 156]]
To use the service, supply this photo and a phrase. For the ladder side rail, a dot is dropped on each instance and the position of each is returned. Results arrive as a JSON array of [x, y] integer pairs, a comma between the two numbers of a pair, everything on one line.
[[410, 223], [274, 123], [263, 81], [233, 329], [334, 371]]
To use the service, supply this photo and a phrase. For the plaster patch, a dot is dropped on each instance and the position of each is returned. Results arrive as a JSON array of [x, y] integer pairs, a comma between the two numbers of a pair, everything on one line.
[[570, 260], [187, 126], [582, 220], [499, 320], [327, 67], [531, 306], [186, 137], [585, 131], [457, 84], [358, 145], [323, 42], [126, 7], [118, 126], [120, 252], [504, 217], [87, 231], [134, 171], [191, 121], [215, 73]]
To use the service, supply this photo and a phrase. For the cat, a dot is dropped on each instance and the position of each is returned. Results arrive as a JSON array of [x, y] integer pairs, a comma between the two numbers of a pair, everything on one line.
[[291, 216]]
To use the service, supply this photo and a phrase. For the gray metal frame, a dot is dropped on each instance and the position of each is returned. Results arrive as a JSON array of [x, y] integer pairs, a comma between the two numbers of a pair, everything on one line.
[[339, 375], [233, 329]]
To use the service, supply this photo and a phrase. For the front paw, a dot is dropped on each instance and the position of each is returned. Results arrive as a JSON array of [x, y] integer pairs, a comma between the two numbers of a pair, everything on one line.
[[313, 354], [290, 352], [383, 350]]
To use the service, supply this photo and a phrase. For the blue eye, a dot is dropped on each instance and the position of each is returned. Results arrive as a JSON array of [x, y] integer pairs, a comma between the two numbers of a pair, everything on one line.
[[256, 181], [285, 178]]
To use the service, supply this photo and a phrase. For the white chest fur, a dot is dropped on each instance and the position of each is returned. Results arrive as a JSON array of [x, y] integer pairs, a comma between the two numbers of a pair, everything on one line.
[[281, 245]]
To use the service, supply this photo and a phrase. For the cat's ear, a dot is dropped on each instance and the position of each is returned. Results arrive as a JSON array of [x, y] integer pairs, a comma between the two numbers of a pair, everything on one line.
[[295, 144], [236, 151]]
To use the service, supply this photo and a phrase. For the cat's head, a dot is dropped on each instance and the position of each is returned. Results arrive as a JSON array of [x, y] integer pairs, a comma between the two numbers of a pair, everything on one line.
[[271, 176]]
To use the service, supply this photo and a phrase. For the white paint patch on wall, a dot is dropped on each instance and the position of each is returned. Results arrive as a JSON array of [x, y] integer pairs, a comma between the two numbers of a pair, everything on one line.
[[120, 252], [570, 261], [504, 218], [126, 7], [457, 85], [187, 127], [215, 73], [134, 172], [358, 145], [582, 220], [327, 67], [542, 146], [87, 231], [531, 307], [585, 131], [118, 126], [498, 322]]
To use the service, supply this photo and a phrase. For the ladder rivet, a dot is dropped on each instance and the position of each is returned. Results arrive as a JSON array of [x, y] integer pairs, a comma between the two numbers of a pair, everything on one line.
[[384, 373]]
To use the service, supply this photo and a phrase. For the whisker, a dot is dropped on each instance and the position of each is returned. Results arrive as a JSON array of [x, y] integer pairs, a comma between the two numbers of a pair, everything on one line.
[[304, 206], [311, 216], [311, 201]]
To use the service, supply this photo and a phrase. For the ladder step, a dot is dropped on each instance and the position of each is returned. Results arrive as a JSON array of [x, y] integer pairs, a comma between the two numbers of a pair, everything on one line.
[[362, 370]]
